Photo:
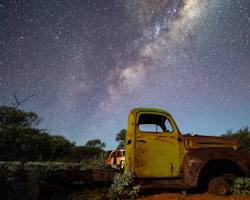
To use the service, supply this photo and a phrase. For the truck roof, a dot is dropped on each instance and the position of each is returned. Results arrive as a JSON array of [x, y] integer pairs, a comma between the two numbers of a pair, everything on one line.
[[137, 110]]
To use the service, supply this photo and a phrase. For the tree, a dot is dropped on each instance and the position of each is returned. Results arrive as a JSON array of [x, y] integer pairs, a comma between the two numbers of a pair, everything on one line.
[[12, 117], [121, 138], [17, 102], [96, 143], [242, 135], [84, 153], [21, 140], [59, 147]]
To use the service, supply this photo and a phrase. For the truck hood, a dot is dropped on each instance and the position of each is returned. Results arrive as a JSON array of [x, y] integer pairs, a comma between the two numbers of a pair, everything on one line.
[[199, 141]]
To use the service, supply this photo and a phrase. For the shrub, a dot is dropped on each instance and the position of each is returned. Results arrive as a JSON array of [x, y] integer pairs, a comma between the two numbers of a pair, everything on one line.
[[21, 140], [17, 183], [241, 186], [94, 162], [124, 187], [83, 153]]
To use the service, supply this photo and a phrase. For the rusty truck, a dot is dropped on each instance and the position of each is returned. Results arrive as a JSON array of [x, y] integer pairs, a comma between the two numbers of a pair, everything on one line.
[[160, 156], [116, 158]]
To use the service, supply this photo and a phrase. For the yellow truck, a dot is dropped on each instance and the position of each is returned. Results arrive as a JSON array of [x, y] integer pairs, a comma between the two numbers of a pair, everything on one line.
[[160, 156]]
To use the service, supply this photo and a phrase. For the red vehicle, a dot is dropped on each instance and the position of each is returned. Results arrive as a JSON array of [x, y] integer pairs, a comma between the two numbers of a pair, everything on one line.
[[116, 158]]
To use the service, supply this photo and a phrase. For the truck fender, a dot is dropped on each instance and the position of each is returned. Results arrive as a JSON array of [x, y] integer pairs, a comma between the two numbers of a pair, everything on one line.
[[196, 161]]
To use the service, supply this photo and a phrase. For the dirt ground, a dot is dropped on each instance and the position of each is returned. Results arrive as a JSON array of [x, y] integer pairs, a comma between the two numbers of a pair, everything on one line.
[[101, 195], [178, 196]]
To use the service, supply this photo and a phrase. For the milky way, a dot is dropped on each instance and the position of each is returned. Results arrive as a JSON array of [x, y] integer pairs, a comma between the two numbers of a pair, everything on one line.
[[89, 62]]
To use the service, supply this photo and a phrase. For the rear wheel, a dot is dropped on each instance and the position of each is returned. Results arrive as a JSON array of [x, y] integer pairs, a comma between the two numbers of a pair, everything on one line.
[[219, 186]]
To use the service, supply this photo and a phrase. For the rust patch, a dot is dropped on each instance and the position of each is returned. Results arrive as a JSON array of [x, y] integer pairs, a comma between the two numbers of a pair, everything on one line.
[[196, 159], [198, 141]]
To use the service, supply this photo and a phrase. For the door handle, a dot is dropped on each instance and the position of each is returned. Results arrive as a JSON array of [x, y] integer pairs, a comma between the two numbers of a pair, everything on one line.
[[140, 140]]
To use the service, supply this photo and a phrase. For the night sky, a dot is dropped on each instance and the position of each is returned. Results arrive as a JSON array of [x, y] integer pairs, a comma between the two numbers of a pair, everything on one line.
[[88, 62]]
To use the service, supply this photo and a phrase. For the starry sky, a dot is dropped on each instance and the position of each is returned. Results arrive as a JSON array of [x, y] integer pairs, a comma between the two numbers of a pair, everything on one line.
[[88, 62]]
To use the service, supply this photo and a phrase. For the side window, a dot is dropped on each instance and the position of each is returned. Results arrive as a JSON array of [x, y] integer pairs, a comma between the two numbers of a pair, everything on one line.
[[168, 126], [119, 154], [154, 123], [150, 128]]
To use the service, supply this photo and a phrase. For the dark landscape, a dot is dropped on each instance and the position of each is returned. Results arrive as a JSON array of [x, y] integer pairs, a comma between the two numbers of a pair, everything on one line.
[[124, 99]]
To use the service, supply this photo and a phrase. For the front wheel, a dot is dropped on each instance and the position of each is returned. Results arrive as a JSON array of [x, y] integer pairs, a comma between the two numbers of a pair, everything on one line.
[[219, 186]]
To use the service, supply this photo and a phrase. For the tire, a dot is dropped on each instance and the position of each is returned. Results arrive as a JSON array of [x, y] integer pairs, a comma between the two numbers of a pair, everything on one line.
[[219, 186]]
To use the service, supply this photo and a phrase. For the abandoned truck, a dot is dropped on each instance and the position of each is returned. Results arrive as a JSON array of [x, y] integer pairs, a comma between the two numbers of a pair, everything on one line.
[[160, 156]]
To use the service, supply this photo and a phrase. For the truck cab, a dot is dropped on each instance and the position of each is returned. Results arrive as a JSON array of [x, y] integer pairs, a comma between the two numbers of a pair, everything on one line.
[[156, 150]]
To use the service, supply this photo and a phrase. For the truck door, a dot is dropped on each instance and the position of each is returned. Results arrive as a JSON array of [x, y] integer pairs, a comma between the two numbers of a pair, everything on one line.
[[156, 146]]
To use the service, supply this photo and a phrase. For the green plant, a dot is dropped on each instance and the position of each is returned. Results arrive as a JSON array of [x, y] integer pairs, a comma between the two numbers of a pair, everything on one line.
[[124, 187], [97, 161], [241, 186], [18, 183]]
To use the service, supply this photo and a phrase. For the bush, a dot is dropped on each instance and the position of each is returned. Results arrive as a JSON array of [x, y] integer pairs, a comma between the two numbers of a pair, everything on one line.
[[97, 161], [28, 144], [21, 140], [17, 183], [243, 137], [241, 186], [83, 153], [124, 187]]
